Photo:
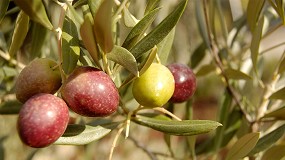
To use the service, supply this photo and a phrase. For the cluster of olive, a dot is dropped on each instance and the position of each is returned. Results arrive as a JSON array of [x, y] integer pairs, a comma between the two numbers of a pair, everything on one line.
[[90, 92]]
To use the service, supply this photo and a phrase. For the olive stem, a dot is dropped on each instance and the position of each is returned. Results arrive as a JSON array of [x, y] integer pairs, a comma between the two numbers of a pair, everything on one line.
[[115, 142], [128, 123], [161, 109]]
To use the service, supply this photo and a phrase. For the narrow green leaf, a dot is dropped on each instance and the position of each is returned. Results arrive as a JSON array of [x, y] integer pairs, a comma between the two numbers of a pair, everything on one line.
[[198, 55], [275, 152], [38, 38], [236, 74], [103, 26], [76, 134], [88, 35], [277, 114], [254, 9], [35, 9], [125, 58], [139, 29], [179, 128], [3, 8], [206, 69], [243, 146], [268, 140], [164, 47], [151, 5], [160, 31], [10, 107], [255, 42], [70, 45], [20, 32], [280, 94], [129, 19]]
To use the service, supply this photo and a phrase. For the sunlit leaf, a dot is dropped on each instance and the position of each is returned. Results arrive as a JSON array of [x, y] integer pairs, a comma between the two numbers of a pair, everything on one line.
[[280, 94], [3, 8], [103, 26], [151, 5], [88, 35], [164, 47], [254, 9], [277, 114], [20, 32], [255, 42], [268, 140], [160, 31], [236, 74], [10, 107], [275, 152], [129, 19], [139, 29], [76, 134], [70, 45], [243, 146], [35, 9], [180, 128], [123, 57]]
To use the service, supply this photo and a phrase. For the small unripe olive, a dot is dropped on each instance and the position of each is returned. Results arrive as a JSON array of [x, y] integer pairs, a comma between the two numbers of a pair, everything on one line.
[[154, 87]]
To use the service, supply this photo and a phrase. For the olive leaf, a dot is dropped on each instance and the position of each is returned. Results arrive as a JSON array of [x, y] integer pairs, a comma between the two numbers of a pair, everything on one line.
[[129, 19], [88, 35], [254, 9], [280, 94], [38, 38], [243, 146], [103, 26], [70, 44], [268, 140], [139, 29], [164, 47], [275, 152], [236, 74], [277, 114], [160, 31], [198, 55], [151, 5], [179, 128], [255, 42], [20, 32], [35, 9], [123, 57], [77, 134]]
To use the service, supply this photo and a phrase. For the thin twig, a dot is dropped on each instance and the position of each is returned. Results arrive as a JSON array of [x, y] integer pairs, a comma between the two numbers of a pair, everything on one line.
[[114, 144], [141, 146]]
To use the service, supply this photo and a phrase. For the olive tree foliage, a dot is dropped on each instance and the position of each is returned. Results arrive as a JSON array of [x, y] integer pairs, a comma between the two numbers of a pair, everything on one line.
[[88, 33]]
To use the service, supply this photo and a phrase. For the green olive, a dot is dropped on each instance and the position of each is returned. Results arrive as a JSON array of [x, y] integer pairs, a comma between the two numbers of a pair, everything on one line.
[[154, 87]]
